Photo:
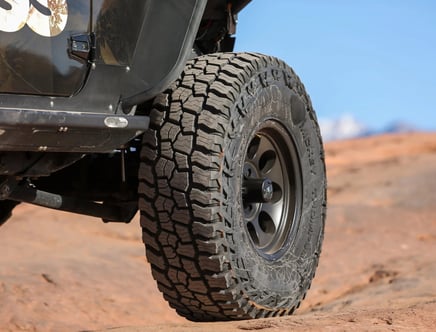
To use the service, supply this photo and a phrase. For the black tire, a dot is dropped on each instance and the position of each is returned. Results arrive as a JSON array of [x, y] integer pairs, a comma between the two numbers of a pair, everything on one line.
[[221, 244], [6, 208]]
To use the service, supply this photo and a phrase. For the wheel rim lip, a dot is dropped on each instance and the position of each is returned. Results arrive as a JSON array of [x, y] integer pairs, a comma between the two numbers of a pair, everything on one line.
[[285, 148]]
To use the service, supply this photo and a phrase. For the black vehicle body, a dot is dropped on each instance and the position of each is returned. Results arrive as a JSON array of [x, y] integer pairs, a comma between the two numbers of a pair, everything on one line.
[[75, 80], [110, 107], [110, 57]]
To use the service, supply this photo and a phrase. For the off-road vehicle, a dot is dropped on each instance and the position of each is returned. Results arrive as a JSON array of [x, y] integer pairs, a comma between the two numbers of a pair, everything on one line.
[[108, 107]]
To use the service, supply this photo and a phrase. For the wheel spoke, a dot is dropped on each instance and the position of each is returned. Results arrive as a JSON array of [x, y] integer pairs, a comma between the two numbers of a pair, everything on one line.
[[267, 161], [277, 193], [253, 147], [276, 175], [263, 145], [264, 229], [275, 211]]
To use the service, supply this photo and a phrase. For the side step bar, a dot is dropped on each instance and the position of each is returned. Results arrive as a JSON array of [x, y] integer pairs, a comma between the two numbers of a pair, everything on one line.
[[60, 131]]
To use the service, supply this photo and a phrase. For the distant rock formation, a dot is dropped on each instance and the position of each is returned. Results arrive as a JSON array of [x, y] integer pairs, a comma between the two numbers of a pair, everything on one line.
[[348, 126]]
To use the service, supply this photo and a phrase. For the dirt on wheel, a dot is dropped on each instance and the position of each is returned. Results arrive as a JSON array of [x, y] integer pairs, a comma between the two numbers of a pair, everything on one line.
[[63, 272]]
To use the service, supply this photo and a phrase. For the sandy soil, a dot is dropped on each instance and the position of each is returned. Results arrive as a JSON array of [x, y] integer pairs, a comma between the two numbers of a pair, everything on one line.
[[63, 272]]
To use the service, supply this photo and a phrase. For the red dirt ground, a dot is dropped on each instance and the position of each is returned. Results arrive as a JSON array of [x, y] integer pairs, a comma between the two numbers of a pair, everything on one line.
[[63, 272]]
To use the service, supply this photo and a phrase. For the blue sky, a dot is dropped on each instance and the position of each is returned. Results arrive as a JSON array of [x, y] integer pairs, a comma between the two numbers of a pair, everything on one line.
[[372, 59]]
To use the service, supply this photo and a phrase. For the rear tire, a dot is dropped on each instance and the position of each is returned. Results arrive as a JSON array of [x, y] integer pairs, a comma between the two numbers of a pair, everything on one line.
[[6, 208], [233, 189]]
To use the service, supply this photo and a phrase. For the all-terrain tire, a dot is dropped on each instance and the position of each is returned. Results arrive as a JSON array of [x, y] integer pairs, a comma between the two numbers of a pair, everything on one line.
[[233, 189]]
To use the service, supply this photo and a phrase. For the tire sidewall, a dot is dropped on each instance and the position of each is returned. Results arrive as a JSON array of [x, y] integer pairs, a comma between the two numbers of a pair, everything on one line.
[[272, 93]]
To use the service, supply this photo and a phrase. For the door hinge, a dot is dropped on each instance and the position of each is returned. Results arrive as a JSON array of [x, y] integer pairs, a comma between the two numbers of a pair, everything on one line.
[[82, 46]]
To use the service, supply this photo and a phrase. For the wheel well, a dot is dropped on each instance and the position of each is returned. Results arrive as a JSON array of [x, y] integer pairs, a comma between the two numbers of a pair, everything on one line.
[[218, 26]]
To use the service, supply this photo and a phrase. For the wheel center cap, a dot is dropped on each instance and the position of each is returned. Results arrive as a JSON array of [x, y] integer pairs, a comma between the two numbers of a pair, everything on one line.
[[267, 190]]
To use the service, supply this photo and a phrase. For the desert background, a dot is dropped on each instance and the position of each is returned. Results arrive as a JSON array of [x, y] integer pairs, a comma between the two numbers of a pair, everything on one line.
[[64, 272]]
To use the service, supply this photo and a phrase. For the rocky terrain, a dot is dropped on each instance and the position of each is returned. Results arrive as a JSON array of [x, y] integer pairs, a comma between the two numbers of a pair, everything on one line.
[[63, 272]]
